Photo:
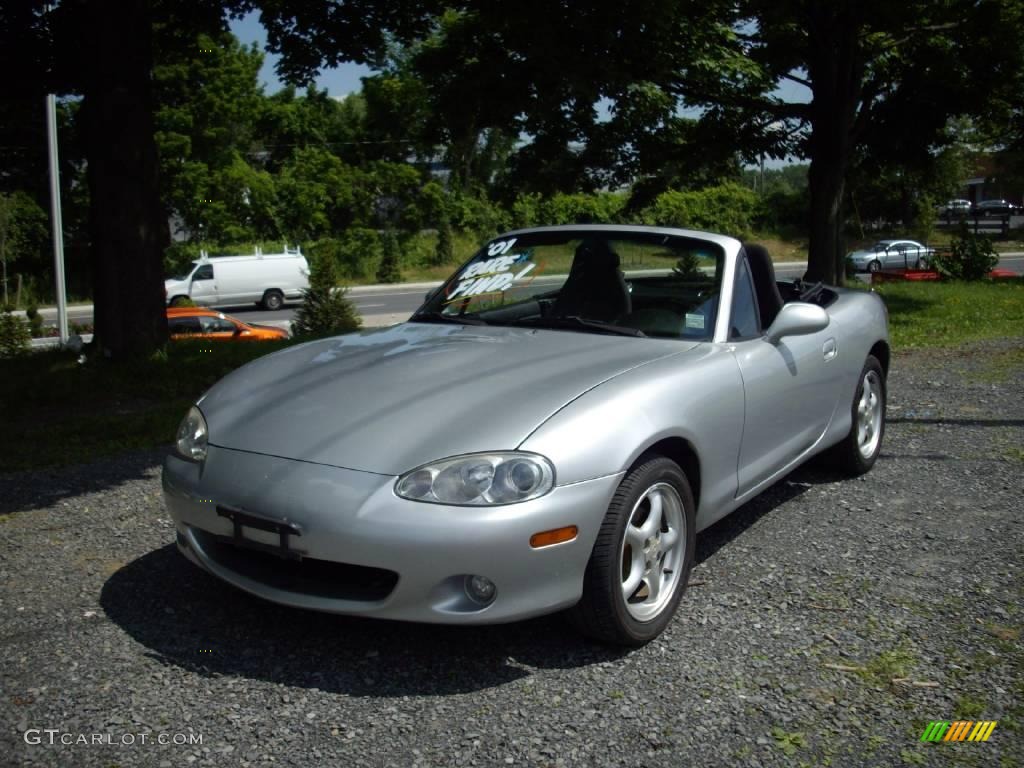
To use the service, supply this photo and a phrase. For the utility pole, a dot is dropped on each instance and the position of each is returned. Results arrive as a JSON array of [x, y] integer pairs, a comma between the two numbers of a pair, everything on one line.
[[58, 225]]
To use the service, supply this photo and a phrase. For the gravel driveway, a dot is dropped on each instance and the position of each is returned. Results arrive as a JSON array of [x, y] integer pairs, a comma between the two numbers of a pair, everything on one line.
[[828, 622]]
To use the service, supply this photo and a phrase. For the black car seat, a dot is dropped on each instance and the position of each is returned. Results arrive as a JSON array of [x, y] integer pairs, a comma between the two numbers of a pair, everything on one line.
[[595, 288], [769, 300]]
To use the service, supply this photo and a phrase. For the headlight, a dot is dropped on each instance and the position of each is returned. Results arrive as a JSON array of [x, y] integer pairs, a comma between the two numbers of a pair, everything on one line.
[[480, 479], [192, 436]]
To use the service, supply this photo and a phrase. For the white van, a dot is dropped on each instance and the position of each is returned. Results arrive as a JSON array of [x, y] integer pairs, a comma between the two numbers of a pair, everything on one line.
[[269, 279]]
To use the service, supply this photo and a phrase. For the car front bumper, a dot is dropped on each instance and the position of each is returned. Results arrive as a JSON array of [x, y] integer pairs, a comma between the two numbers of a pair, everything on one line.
[[367, 552]]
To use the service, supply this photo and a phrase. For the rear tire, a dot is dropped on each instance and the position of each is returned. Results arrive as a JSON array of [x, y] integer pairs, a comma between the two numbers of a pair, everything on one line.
[[273, 300], [640, 564], [859, 450]]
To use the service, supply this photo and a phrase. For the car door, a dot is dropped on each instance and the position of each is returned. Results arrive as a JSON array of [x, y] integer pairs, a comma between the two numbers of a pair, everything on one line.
[[790, 389], [183, 327], [204, 285], [218, 328]]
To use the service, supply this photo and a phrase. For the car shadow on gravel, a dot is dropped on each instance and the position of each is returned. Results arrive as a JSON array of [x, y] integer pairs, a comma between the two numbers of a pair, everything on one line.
[[188, 619]]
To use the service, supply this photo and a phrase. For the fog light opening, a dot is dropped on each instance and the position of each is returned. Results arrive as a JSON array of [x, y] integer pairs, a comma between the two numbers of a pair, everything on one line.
[[480, 590]]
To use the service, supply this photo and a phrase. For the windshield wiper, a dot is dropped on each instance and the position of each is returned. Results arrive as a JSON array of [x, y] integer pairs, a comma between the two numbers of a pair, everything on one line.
[[576, 323], [434, 316]]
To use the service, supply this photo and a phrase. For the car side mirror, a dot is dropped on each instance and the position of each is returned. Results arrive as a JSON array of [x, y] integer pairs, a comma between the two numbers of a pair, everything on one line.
[[797, 319]]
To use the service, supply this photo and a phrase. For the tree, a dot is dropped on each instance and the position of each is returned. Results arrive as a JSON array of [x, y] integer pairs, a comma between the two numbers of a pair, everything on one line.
[[128, 220], [388, 271], [23, 230], [325, 310], [208, 101], [878, 74], [105, 52]]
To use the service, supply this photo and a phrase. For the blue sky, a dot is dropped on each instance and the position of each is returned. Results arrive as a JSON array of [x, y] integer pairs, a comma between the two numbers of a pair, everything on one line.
[[339, 82]]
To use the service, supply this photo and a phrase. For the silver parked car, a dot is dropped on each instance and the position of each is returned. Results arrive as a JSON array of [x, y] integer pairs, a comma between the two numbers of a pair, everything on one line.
[[892, 254], [549, 431]]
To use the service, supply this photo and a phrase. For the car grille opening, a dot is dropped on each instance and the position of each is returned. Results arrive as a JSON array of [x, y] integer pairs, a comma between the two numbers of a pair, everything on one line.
[[308, 576]]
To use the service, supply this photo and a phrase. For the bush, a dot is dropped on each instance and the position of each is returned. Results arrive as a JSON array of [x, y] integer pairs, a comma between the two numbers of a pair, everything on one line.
[[14, 335], [728, 208], [445, 251], [971, 257], [325, 309], [602, 208], [924, 218], [477, 215], [355, 254], [526, 210], [35, 321], [389, 270]]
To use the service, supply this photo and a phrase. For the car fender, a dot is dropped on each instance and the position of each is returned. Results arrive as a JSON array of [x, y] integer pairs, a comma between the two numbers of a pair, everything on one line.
[[696, 397]]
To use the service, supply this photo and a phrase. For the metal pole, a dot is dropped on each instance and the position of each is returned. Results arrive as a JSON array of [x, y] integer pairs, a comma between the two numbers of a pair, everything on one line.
[[58, 226]]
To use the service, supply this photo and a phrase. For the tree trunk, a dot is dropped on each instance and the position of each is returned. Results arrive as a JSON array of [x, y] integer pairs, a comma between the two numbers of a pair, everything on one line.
[[836, 75], [824, 253], [128, 223]]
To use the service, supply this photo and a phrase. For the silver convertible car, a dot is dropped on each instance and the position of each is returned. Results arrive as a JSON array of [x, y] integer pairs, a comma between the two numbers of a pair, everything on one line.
[[549, 431]]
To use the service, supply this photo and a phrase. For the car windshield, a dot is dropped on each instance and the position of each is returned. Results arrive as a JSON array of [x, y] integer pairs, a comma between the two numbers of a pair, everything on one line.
[[184, 275], [613, 282]]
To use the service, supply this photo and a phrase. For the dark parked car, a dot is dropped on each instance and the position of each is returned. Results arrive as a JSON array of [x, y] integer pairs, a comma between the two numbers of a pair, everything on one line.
[[996, 208]]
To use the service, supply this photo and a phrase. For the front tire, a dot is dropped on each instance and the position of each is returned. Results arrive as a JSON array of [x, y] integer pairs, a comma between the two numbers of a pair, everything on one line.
[[273, 301], [642, 558], [859, 450], [874, 266]]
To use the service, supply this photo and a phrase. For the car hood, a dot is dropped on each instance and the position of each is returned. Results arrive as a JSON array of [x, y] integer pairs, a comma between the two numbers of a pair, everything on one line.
[[389, 400]]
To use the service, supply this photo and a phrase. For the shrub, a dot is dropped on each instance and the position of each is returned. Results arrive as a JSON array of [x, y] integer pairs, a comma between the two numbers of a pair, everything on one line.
[[971, 257], [389, 270], [477, 215], [526, 210], [14, 335], [924, 218], [35, 321], [325, 309], [602, 208], [728, 208], [444, 253]]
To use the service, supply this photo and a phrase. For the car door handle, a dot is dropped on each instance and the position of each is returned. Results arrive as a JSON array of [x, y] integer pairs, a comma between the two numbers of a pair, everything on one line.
[[829, 349]]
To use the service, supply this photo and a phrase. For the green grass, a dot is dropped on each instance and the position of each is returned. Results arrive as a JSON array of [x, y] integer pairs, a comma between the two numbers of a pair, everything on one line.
[[947, 314], [887, 666], [789, 742], [57, 411]]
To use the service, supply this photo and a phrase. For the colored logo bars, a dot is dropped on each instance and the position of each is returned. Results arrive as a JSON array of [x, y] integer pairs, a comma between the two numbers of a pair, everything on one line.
[[960, 730]]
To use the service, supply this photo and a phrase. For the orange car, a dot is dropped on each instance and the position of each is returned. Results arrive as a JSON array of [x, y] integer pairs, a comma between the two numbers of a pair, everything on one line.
[[200, 322]]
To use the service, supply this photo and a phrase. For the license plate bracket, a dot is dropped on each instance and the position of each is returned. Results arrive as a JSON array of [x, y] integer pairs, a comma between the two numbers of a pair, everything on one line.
[[283, 527]]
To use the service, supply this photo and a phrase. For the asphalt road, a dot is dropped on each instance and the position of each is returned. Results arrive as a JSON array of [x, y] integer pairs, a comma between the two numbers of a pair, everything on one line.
[[384, 305]]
